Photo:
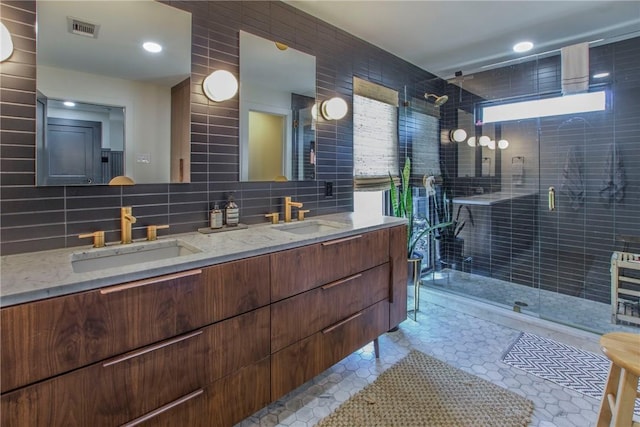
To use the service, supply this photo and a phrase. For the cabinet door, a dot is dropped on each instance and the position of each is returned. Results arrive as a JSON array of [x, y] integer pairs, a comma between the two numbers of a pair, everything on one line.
[[49, 337], [126, 387], [398, 254], [299, 362], [297, 270], [302, 315]]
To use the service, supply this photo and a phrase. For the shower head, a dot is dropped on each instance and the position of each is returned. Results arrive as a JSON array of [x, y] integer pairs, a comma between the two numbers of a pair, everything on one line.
[[440, 100]]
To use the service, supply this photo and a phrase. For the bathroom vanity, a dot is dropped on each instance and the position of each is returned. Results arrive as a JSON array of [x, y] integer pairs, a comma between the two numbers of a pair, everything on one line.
[[209, 338]]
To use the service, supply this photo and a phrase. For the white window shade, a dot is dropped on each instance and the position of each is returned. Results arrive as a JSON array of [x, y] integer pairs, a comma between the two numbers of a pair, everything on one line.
[[375, 143]]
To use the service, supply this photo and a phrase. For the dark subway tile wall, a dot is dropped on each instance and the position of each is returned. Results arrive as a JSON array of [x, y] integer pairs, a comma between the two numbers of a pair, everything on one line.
[[567, 250], [46, 218]]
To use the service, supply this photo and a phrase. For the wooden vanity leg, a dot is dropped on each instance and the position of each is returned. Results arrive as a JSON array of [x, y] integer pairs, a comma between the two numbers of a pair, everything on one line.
[[376, 348]]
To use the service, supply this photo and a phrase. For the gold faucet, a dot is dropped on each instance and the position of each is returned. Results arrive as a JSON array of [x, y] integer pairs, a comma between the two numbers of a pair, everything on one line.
[[126, 219], [287, 208]]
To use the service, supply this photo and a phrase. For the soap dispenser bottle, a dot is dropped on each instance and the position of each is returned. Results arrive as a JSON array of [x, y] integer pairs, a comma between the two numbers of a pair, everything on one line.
[[231, 213], [216, 217]]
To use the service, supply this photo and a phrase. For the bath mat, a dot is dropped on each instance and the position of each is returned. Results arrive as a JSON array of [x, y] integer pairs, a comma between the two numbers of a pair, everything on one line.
[[570, 367], [420, 390]]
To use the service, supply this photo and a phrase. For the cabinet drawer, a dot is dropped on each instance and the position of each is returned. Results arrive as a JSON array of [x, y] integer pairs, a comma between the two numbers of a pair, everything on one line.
[[223, 403], [297, 270], [302, 315], [128, 386], [298, 363], [49, 337]]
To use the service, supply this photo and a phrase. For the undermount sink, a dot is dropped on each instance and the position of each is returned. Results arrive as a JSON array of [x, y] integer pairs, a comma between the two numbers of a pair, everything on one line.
[[134, 253], [309, 227]]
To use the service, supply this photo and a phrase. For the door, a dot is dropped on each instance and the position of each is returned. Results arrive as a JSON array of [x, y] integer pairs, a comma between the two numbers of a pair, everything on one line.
[[72, 152]]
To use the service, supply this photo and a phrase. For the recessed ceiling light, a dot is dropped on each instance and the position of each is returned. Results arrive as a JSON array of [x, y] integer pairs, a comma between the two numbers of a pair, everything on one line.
[[600, 75], [522, 47], [152, 47], [69, 104]]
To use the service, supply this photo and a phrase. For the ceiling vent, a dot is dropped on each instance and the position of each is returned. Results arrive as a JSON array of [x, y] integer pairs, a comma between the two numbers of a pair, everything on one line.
[[82, 28]]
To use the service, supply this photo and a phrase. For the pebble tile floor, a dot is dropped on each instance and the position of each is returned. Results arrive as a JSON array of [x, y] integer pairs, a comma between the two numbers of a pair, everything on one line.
[[466, 341]]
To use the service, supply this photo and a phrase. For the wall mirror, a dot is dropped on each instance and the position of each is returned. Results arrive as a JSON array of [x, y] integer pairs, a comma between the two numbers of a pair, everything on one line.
[[467, 153], [105, 105], [277, 111]]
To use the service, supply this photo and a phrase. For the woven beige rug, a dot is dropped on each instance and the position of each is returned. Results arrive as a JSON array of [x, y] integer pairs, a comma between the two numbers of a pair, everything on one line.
[[422, 391]]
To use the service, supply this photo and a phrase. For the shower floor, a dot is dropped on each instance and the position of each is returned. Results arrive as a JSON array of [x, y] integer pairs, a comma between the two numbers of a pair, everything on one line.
[[564, 309]]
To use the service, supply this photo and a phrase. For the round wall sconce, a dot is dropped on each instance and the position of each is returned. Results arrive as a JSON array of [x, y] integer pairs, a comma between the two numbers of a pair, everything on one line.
[[6, 44], [471, 142], [492, 144], [220, 86], [503, 144], [484, 140], [458, 135], [334, 109]]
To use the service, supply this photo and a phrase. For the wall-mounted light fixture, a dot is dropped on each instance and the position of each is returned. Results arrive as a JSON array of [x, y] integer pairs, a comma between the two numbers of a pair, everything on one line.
[[457, 135], [334, 108], [471, 142], [6, 44], [484, 140], [220, 86], [503, 144]]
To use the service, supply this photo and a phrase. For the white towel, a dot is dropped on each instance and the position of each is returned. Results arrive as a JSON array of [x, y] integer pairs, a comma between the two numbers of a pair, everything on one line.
[[575, 68], [486, 166]]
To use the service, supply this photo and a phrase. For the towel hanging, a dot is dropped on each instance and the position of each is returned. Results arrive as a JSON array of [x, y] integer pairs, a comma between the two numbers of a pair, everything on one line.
[[575, 68], [613, 177], [572, 182]]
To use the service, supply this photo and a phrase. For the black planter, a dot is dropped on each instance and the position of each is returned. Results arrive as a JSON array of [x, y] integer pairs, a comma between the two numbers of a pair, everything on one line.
[[451, 250]]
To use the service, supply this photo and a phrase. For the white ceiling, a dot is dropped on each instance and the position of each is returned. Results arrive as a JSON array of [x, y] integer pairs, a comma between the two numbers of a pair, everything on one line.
[[443, 37]]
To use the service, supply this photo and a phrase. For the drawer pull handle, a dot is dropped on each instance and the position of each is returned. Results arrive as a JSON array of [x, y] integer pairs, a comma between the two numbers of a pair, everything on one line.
[[342, 322], [151, 281], [162, 409], [150, 349], [346, 239], [341, 281]]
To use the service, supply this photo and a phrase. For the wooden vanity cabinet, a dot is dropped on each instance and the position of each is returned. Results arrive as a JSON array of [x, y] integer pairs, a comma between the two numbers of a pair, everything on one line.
[[203, 347], [346, 300], [49, 337]]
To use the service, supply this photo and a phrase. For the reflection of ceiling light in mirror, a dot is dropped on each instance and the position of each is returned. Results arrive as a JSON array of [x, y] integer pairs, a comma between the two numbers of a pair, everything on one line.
[[69, 104], [484, 140], [6, 44], [458, 135], [503, 144], [522, 47], [471, 141], [334, 109], [314, 112], [220, 86], [492, 144], [152, 47], [600, 75]]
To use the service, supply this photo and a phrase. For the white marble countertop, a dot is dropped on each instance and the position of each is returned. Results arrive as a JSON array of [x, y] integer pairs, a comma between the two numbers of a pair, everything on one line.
[[488, 199], [38, 275]]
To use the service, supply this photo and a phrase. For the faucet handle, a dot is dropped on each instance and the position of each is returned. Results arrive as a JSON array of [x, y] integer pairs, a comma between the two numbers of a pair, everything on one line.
[[98, 238], [152, 231], [301, 213], [275, 217]]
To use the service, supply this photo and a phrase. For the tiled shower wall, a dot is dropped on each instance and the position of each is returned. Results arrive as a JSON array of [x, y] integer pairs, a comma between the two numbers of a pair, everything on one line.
[[567, 250], [38, 218]]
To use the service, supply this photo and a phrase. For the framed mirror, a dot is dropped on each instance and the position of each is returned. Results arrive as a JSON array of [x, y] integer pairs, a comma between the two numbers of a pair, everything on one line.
[[106, 106], [277, 111]]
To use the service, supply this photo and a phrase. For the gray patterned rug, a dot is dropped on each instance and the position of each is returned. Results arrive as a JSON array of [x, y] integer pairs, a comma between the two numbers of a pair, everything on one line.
[[570, 367], [420, 390]]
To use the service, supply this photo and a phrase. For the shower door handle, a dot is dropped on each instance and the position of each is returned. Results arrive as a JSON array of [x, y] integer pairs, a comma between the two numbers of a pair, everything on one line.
[[552, 199]]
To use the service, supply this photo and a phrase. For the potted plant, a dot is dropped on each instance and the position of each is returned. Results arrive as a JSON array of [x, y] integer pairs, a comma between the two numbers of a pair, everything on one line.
[[402, 206]]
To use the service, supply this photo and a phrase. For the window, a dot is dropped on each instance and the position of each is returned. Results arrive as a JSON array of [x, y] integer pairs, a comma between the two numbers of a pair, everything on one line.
[[581, 103], [375, 136]]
